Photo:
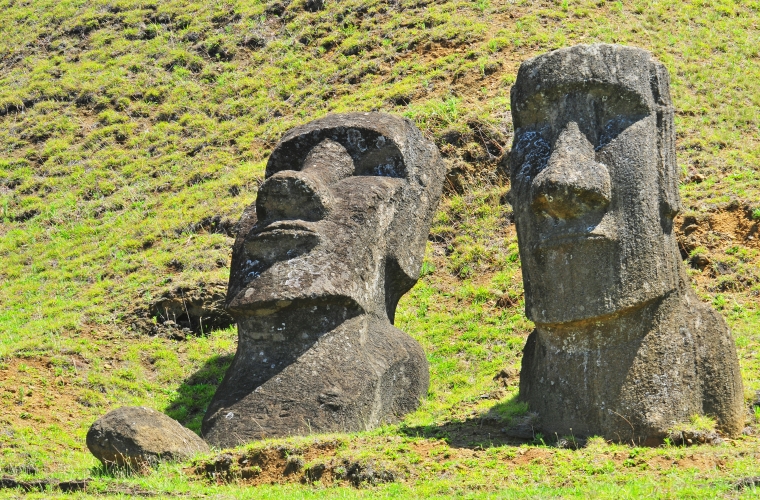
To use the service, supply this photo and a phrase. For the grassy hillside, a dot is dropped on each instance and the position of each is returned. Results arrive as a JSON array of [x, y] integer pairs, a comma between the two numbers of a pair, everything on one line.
[[134, 132]]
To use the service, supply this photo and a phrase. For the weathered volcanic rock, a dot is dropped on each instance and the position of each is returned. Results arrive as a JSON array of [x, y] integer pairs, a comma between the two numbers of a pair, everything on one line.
[[336, 237], [137, 436], [622, 346]]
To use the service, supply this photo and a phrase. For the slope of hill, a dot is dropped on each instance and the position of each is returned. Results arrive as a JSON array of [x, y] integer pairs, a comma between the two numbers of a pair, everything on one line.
[[134, 133]]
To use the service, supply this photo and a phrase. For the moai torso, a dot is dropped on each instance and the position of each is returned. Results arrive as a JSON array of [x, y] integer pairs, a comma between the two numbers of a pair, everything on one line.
[[622, 346]]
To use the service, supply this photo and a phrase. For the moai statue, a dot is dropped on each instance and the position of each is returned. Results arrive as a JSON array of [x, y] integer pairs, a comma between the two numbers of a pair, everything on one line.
[[622, 348], [336, 236]]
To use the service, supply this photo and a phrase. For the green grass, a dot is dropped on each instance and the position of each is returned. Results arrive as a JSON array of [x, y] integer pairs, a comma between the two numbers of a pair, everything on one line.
[[123, 123]]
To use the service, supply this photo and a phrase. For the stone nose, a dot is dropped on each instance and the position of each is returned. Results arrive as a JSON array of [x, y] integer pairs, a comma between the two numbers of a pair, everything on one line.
[[573, 182], [293, 195]]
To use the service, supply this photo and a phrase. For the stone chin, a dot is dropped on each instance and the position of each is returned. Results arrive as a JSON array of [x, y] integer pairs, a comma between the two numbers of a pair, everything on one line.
[[584, 281]]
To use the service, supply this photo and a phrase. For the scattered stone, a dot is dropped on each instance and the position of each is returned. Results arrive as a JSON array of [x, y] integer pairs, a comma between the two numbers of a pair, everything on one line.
[[507, 376], [252, 41], [44, 485], [755, 401], [694, 177], [272, 465], [623, 348], [294, 464], [277, 8], [315, 472], [221, 464], [358, 473], [571, 443], [699, 261], [689, 438], [179, 334], [213, 224], [747, 482], [337, 235], [136, 436], [314, 5], [506, 301], [21, 469]]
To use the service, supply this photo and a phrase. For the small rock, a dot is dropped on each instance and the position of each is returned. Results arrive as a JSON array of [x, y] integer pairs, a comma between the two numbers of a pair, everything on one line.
[[747, 482], [315, 472], [695, 177], [700, 261], [136, 436], [293, 464], [507, 376], [364, 473], [756, 401], [571, 443], [314, 5], [178, 335], [688, 438]]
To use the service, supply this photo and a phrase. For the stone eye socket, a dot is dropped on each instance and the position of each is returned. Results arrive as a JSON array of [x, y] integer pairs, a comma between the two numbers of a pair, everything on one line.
[[351, 151], [613, 128], [383, 162], [332, 162]]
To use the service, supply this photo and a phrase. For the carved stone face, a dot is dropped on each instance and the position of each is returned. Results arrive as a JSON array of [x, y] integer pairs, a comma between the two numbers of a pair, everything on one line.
[[594, 182], [337, 237], [342, 218]]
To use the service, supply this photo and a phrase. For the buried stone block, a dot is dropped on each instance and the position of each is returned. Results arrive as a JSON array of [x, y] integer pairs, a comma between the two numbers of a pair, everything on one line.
[[622, 346], [335, 238]]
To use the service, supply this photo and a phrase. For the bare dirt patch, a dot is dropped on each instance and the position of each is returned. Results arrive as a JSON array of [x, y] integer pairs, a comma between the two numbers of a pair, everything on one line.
[[527, 456], [700, 462], [34, 393], [733, 225]]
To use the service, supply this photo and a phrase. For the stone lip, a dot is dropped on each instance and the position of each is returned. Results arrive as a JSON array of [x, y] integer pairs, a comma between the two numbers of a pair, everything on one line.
[[137, 436]]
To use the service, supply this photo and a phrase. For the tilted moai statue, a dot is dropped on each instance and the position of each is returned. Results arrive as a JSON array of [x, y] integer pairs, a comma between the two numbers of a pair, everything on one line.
[[622, 348], [336, 237]]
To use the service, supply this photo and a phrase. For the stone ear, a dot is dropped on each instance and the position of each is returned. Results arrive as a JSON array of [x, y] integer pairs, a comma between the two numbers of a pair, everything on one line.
[[670, 198]]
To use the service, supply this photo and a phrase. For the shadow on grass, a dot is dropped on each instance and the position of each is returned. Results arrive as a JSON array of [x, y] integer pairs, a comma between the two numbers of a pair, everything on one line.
[[115, 471], [498, 426], [196, 391]]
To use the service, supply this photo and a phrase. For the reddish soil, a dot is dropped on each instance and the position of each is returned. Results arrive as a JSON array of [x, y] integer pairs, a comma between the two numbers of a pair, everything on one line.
[[35, 394]]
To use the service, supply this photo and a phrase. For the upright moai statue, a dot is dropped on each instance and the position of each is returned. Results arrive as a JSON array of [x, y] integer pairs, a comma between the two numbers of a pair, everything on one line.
[[622, 348], [336, 236]]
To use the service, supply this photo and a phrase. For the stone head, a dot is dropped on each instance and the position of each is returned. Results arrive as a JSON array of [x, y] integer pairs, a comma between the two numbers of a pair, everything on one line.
[[342, 218], [594, 182]]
